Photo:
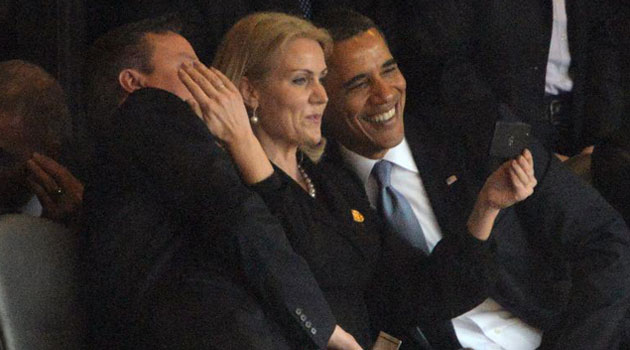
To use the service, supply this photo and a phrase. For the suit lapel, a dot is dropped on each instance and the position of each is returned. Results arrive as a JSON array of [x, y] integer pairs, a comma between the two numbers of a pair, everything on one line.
[[348, 203], [442, 176]]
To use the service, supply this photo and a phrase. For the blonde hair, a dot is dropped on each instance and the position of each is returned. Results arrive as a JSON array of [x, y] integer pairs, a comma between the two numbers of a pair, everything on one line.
[[246, 49]]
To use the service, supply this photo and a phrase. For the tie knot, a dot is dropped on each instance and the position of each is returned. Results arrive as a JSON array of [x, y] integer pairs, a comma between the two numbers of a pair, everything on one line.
[[382, 171]]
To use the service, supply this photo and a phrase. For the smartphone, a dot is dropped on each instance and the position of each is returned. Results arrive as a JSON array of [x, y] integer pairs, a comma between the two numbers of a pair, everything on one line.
[[509, 139]]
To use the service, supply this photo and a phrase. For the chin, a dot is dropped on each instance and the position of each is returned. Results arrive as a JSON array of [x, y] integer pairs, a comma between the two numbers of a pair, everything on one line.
[[313, 140]]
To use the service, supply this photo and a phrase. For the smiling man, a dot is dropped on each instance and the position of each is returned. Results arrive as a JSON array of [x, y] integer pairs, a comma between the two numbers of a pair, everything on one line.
[[563, 254], [372, 95]]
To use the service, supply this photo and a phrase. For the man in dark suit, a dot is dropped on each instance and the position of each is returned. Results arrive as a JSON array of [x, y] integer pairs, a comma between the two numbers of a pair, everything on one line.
[[563, 254], [554, 63], [180, 253]]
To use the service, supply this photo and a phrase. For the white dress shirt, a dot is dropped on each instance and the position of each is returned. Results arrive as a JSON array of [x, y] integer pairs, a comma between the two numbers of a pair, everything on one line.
[[486, 327], [557, 79], [33, 207]]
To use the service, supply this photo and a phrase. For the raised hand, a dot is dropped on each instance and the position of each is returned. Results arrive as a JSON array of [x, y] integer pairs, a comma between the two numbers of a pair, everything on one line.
[[217, 102], [59, 192], [513, 182], [220, 105]]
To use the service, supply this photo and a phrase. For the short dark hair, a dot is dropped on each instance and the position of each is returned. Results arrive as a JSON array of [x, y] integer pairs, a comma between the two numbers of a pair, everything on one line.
[[121, 48], [343, 23], [28, 92]]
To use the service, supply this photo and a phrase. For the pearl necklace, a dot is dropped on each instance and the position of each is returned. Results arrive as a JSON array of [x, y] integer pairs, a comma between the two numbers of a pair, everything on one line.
[[309, 183]]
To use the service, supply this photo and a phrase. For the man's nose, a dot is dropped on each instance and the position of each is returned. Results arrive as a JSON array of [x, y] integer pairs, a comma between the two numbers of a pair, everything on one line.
[[382, 92]]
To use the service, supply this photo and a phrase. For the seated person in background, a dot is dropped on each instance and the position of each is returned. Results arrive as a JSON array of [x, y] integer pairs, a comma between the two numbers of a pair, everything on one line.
[[554, 63], [34, 122], [277, 62], [610, 170], [563, 254], [180, 253]]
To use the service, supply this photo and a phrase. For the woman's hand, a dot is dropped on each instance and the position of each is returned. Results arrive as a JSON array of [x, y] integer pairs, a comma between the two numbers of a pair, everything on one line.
[[220, 105], [217, 102], [59, 192], [513, 182], [342, 340]]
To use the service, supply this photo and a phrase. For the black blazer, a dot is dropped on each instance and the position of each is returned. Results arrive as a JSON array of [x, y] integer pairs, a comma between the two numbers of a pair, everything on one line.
[[337, 233], [182, 254], [562, 255], [502, 58]]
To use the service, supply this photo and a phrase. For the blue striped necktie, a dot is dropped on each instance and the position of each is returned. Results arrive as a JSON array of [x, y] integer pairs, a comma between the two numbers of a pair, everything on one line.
[[395, 209]]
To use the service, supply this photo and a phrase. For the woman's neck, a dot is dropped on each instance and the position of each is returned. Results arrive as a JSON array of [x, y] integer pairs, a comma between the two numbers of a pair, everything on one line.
[[283, 155]]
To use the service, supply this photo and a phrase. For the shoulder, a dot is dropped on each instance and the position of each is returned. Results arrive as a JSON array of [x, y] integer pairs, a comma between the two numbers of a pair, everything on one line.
[[157, 109], [332, 167], [151, 99]]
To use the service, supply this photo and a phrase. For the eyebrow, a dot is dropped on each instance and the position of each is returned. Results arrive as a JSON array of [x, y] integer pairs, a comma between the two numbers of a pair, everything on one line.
[[307, 70], [390, 62]]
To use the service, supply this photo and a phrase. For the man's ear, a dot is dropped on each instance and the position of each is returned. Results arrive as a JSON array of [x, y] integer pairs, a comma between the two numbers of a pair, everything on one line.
[[249, 93], [131, 80]]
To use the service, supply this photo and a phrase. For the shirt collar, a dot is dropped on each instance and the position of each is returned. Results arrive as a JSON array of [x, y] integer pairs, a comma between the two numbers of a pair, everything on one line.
[[362, 166], [401, 156]]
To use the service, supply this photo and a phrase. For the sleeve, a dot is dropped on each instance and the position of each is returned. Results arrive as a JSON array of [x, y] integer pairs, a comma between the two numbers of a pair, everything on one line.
[[158, 133], [594, 241], [275, 192], [419, 290]]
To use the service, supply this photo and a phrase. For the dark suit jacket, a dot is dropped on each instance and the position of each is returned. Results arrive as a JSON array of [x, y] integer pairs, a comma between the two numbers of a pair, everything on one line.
[[502, 58], [342, 252], [563, 254], [181, 253]]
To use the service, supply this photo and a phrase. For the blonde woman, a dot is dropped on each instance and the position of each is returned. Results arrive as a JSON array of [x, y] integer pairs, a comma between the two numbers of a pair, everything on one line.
[[277, 62]]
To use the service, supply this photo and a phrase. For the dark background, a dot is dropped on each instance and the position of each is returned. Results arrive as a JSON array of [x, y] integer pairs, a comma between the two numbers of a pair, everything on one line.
[[56, 33]]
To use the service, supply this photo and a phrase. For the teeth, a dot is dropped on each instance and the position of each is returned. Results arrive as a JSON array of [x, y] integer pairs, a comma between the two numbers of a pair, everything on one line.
[[381, 118]]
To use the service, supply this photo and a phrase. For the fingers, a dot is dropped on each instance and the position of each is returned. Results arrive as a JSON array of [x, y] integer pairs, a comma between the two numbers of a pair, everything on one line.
[[208, 79], [218, 80], [44, 198], [522, 174], [61, 176], [198, 86], [58, 172], [40, 176], [195, 107], [521, 188], [527, 155], [226, 81]]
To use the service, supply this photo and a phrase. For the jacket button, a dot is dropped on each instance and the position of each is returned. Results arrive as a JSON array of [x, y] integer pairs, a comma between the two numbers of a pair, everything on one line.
[[303, 318], [313, 331], [307, 324], [298, 311]]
